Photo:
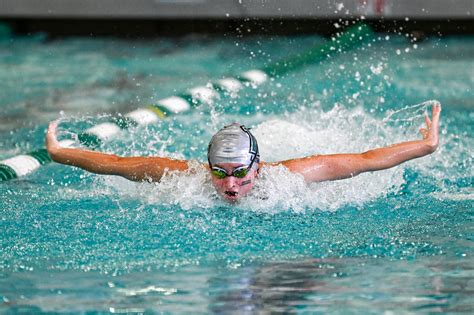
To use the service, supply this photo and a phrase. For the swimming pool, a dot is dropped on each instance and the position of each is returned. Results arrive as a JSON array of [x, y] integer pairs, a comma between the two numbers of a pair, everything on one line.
[[400, 240]]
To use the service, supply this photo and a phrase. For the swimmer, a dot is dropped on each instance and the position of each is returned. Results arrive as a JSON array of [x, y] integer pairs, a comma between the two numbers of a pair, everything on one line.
[[234, 160]]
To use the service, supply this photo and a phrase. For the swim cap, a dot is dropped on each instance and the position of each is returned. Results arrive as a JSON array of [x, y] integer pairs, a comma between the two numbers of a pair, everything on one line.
[[233, 144]]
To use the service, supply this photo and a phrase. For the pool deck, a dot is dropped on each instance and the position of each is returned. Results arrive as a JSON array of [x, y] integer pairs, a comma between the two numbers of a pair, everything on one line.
[[298, 9]]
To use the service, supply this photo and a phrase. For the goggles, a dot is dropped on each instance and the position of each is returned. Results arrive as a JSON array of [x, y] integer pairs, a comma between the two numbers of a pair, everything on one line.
[[239, 172]]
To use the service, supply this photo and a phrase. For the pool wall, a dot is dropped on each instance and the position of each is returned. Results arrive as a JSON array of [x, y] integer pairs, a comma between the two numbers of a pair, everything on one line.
[[145, 18], [392, 9]]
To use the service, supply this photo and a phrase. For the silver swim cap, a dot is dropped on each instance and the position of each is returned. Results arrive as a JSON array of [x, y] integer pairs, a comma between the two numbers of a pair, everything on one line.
[[233, 144]]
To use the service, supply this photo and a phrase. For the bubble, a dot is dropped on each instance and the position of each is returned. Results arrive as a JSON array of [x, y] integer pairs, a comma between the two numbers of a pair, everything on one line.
[[377, 69], [357, 76]]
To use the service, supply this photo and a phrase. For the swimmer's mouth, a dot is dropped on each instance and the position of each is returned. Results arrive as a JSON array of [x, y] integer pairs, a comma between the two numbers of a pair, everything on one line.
[[231, 193]]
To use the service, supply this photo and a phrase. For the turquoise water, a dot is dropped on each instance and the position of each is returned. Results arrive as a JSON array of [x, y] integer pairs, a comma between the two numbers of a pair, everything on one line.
[[400, 240]]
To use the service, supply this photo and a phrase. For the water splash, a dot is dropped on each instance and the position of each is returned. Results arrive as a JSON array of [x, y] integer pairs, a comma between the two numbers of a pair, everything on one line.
[[409, 113], [306, 132]]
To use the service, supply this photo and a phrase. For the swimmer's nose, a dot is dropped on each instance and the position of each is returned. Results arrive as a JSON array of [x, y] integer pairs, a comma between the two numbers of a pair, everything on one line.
[[229, 181]]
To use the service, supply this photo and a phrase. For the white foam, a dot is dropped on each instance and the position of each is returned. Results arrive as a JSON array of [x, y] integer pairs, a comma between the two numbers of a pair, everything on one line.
[[66, 143], [316, 132], [191, 189], [279, 190], [464, 194]]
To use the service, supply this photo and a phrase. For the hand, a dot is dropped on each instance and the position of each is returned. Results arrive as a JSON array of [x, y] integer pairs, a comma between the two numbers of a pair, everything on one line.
[[431, 132], [51, 140]]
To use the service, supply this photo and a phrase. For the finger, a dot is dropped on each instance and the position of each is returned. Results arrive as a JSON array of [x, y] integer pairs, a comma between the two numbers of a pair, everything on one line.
[[51, 133], [427, 121], [53, 126], [436, 113]]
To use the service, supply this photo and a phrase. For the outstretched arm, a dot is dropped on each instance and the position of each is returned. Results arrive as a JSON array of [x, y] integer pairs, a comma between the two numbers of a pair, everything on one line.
[[133, 168], [319, 168]]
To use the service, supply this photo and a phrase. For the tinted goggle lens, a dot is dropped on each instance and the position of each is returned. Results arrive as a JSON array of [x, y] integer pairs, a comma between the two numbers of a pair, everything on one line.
[[240, 172], [218, 173]]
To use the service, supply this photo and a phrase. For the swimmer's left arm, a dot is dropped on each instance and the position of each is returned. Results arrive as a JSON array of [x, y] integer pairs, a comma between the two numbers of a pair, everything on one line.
[[319, 168]]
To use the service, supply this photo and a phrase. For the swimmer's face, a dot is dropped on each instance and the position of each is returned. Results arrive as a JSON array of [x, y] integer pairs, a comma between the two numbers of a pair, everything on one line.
[[232, 188]]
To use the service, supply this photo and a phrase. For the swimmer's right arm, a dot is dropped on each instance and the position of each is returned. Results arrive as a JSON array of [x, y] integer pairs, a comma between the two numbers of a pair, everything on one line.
[[318, 168], [132, 168]]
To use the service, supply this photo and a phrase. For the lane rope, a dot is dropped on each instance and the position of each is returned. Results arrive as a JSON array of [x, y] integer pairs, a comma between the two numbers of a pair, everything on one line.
[[354, 36]]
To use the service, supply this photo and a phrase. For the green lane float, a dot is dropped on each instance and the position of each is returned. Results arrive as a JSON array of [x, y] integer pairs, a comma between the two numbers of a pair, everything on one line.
[[24, 164]]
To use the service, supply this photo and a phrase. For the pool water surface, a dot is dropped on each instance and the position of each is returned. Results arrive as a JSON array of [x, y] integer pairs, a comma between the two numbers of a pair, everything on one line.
[[399, 240]]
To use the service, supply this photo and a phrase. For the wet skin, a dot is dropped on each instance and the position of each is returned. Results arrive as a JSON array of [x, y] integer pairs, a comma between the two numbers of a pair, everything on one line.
[[231, 188]]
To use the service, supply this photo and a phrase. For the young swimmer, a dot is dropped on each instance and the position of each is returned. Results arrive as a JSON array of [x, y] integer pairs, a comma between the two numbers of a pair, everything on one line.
[[234, 160]]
